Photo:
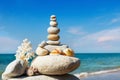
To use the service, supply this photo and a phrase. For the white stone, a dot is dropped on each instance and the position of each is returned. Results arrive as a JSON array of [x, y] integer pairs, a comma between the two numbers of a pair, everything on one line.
[[45, 77], [41, 51], [55, 64], [53, 23], [14, 69], [53, 42], [53, 30], [53, 18], [53, 37], [52, 47], [42, 44]]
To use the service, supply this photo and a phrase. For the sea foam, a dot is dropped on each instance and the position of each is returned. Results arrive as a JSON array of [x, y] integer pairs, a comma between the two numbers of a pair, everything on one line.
[[86, 74]]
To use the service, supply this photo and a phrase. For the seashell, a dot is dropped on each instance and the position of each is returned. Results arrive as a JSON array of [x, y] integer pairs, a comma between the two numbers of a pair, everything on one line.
[[35, 70], [56, 51], [68, 52], [53, 37], [30, 71], [41, 51], [53, 23], [53, 30]]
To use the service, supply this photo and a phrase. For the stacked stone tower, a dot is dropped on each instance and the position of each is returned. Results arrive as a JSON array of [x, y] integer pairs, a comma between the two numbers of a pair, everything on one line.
[[46, 47], [53, 31], [54, 61]]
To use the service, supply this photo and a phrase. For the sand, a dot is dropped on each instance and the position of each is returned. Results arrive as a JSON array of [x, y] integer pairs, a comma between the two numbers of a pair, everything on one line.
[[105, 76], [101, 75]]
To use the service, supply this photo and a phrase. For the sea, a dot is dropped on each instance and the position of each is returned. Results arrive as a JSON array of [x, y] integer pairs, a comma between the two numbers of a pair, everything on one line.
[[90, 62]]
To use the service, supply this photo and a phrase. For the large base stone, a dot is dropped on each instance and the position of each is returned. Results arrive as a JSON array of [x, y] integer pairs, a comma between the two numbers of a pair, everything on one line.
[[45, 77], [55, 64]]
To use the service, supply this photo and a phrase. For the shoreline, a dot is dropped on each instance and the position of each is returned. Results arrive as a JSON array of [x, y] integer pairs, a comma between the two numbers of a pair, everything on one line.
[[112, 74], [88, 74]]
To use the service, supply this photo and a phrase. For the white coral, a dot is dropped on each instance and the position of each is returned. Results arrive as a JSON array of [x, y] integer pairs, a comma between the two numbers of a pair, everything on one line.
[[25, 51]]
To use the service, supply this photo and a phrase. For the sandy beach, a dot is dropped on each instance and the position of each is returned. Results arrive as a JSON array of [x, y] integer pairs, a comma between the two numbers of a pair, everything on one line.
[[102, 75], [106, 76]]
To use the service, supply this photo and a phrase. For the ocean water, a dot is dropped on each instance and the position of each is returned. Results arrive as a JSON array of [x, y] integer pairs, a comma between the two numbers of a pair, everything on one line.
[[89, 62], [5, 59]]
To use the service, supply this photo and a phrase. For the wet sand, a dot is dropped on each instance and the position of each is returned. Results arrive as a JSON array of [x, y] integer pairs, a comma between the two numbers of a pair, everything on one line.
[[104, 76]]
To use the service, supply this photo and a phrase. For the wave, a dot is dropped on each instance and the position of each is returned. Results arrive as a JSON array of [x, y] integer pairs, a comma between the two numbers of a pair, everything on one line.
[[86, 74]]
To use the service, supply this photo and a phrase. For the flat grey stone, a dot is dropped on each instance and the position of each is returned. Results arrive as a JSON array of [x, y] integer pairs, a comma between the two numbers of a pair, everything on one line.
[[53, 42], [52, 47]]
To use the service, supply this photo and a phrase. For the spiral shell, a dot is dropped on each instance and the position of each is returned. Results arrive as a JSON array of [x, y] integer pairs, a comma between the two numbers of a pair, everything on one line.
[[56, 51], [68, 52], [41, 51], [30, 71]]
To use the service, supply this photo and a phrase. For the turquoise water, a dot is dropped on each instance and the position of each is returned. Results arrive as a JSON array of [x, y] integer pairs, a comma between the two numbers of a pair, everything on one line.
[[5, 59], [97, 62], [89, 62]]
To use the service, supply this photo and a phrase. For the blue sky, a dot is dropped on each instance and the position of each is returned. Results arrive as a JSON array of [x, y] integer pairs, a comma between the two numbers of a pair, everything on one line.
[[86, 25]]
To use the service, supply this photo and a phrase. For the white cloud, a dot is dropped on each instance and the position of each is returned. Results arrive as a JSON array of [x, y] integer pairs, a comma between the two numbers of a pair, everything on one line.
[[3, 32], [1, 28], [105, 38], [102, 41], [114, 20], [106, 20], [8, 44], [76, 31]]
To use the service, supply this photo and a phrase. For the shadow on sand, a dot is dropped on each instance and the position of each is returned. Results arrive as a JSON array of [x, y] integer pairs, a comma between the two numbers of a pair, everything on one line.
[[45, 77]]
